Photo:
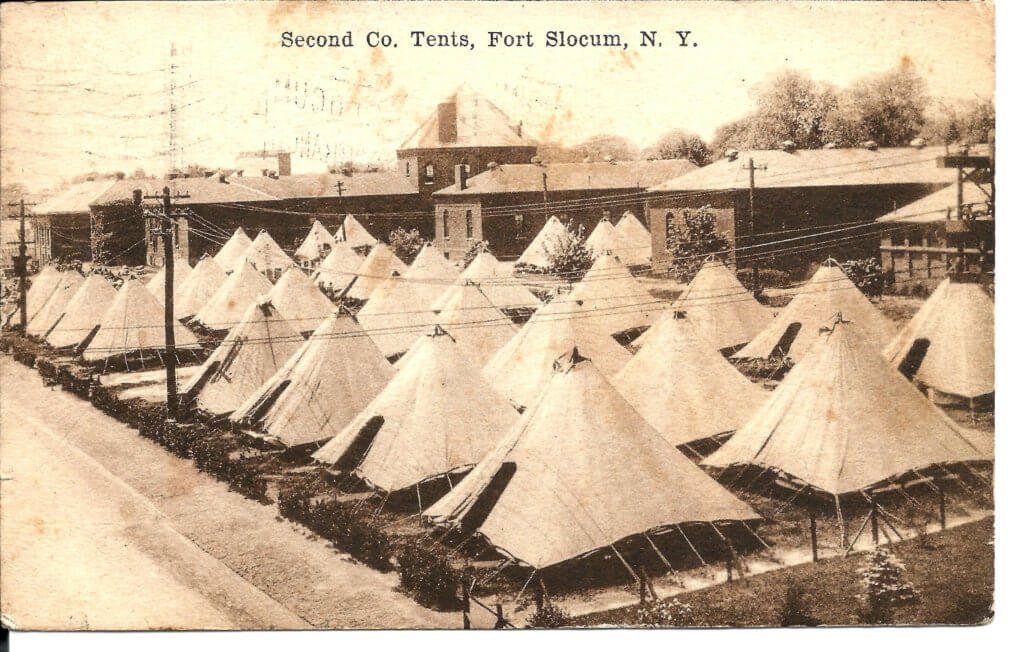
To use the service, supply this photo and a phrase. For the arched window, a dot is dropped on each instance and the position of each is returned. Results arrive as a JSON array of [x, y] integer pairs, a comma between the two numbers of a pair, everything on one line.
[[408, 168], [428, 173], [669, 219], [469, 224], [444, 223]]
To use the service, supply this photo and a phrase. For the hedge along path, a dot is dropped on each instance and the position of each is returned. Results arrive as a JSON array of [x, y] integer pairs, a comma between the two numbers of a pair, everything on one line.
[[306, 576]]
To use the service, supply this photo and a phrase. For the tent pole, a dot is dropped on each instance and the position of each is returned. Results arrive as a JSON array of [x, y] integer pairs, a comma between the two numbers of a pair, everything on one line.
[[790, 501], [728, 544], [383, 502], [814, 536], [502, 566], [623, 560], [690, 543], [528, 580], [842, 524], [757, 477], [449, 479], [658, 552], [419, 501], [856, 537], [756, 536], [885, 519], [693, 452]]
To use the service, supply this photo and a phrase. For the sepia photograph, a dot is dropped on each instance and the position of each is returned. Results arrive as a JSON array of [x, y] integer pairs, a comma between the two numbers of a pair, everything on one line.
[[497, 316]]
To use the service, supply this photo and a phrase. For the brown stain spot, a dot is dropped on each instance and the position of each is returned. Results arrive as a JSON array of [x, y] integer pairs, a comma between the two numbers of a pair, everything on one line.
[[626, 60], [231, 304], [38, 525], [906, 63]]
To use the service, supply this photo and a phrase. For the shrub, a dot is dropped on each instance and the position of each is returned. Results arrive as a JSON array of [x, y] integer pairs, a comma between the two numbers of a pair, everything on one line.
[[349, 531], [694, 240], [569, 256], [766, 278], [429, 577], [666, 613], [884, 587], [405, 244], [866, 274], [548, 616], [794, 612], [474, 249]]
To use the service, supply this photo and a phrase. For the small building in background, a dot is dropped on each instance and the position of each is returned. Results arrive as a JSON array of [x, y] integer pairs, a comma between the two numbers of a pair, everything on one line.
[[264, 163], [508, 204], [69, 218], [37, 243], [808, 204]]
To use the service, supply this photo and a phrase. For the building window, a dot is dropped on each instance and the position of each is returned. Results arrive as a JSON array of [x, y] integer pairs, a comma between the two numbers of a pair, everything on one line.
[[669, 219], [444, 223], [519, 227], [408, 168], [469, 169], [428, 173], [469, 224]]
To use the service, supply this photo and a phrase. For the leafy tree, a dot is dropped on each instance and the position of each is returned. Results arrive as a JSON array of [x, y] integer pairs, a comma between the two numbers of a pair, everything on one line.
[[867, 274], [474, 249], [569, 256], [598, 147], [694, 240], [405, 244], [681, 144], [889, 107], [966, 122]]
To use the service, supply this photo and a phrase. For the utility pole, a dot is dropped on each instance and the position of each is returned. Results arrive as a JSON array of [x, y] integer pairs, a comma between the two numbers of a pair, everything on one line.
[[979, 170], [167, 230], [751, 167], [21, 266]]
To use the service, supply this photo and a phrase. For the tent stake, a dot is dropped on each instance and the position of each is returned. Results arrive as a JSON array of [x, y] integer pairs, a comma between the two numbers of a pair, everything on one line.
[[690, 543]]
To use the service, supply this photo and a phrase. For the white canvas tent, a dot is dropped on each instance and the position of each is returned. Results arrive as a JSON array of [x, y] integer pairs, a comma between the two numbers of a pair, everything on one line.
[[83, 313], [417, 441], [200, 286], [42, 286], [827, 293], [155, 285], [497, 284], [134, 322], [535, 253], [299, 300], [684, 387], [634, 239], [588, 472], [521, 368], [234, 296], [338, 270], [233, 250], [604, 239], [380, 264], [720, 308], [353, 234], [618, 301], [324, 384], [266, 256], [53, 310], [318, 241], [844, 420], [250, 354], [476, 325], [957, 326]]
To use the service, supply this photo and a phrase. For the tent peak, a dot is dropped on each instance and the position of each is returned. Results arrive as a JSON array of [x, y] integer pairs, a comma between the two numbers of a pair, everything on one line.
[[566, 362], [440, 332]]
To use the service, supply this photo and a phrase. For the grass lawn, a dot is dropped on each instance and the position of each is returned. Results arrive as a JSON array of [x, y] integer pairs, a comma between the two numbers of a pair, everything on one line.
[[952, 573]]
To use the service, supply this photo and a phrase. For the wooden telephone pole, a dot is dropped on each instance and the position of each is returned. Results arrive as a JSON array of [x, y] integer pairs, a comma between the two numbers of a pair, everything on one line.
[[979, 170], [21, 266], [166, 231], [751, 167]]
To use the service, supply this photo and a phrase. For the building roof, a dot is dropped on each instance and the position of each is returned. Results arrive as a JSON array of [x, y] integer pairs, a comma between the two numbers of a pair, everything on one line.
[[939, 206], [806, 168], [309, 186], [601, 175], [479, 123], [74, 199], [200, 190]]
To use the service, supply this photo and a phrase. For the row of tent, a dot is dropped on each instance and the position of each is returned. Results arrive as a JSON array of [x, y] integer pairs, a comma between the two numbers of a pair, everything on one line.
[[628, 240]]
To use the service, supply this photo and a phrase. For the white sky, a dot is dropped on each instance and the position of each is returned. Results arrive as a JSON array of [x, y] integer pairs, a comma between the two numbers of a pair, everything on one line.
[[84, 86]]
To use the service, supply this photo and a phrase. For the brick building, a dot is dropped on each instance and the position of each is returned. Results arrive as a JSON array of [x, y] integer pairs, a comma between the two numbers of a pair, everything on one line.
[[69, 218], [798, 194], [508, 205]]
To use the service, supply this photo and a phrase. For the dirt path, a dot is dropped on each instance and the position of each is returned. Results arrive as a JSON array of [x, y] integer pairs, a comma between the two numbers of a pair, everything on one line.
[[153, 527]]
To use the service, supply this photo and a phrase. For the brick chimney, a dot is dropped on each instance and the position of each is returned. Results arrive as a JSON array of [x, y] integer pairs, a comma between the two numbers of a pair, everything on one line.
[[461, 174], [284, 164], [447, 132]]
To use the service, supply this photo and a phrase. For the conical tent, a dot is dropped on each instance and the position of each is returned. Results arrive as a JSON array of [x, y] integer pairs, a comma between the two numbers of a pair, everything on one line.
[[684, 387], [333, 376], [583, 470], [476, 325], [200, 286], [535, 253], [827, 293], [497, 285], [155, 285], [83, 313], [957, 326], [521, 368], [844, 420], [54, 308], [265, 255], [380, 264], [43, 285], [338, 270], [634, 239], [234, 296], [416, 440], [134, 322], [318, 240], [353, 234], [233, 250], [299, 301], [604, 239], [720, 308], [395, 315], [617, 299], [250, 354]]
